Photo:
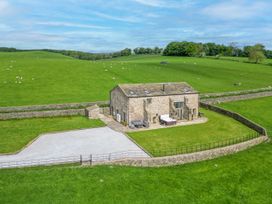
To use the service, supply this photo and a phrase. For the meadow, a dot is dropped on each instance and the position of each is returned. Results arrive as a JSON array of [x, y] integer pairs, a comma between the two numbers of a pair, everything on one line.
[[16, 134], [31, 78], [258, 110], [245, 177], [218, 128]]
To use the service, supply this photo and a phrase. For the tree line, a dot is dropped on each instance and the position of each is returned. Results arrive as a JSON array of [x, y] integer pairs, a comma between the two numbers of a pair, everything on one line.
[[147, 50], [255, 53], [76, 54]]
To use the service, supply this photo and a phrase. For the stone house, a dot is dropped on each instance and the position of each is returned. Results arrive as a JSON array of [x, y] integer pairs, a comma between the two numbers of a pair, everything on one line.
[[147, 102]]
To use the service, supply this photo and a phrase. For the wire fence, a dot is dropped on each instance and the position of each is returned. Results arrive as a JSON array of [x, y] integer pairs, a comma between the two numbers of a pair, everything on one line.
[[80, 159], [201, 147]]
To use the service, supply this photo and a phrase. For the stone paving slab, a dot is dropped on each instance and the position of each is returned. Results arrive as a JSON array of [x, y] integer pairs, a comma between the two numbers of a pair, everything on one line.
[[121, 128]]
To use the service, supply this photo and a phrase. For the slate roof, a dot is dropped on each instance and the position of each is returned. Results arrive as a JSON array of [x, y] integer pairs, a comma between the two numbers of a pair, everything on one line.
[[156, 89]]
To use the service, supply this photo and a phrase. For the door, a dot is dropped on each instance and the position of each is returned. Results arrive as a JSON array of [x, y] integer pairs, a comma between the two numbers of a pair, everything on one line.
[[180, 116]]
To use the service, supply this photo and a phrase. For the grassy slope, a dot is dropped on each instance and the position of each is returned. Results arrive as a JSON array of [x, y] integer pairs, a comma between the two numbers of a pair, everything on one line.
[[245, 59], [15, 134], [259, 110], [245, 177], [54, 78], [218, 128]]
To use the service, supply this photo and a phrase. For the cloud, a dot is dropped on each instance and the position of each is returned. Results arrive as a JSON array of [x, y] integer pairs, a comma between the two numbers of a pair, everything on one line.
[[5, 28], [153, 3], [5, 7], [129, 19], [29, 36], [235, 10], [165, 3], [68, 24]]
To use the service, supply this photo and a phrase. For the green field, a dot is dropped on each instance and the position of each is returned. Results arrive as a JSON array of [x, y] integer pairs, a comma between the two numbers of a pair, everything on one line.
[[15, 134], [47, 78], [259, 110], [218, 128], [245, 60], [245, 177]]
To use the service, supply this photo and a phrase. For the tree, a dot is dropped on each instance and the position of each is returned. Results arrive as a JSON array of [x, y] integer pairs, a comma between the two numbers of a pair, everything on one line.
[[125, 52], [268, 53], [234, 49], [246, 51], [256, 53]]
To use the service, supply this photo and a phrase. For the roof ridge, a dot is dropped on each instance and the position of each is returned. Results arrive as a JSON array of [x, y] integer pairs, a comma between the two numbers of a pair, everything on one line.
[[156, 89]]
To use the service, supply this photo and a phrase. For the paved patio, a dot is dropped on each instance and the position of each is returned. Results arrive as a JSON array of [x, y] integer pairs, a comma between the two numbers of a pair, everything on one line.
[[113, 124]]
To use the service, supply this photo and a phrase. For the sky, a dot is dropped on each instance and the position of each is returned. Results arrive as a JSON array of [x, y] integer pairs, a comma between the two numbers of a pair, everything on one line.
[[111, 25]]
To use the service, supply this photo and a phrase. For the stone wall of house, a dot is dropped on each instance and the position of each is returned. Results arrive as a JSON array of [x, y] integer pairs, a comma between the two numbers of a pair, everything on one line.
[[188, 158], [159, 105], [41, 114], [258, 128], [119, 103]]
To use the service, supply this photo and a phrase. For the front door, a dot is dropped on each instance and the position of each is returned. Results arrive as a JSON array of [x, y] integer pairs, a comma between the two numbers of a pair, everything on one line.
[[180, 113]]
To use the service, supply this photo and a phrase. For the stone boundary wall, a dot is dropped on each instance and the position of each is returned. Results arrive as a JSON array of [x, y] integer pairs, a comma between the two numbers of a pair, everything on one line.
[[216, 97], [235, 93], [237, 97], [187, 158], [258, 128], [12, 109], [41, 114]]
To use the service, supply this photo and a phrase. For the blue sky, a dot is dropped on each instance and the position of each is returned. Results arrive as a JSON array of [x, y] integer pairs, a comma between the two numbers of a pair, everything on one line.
[[109, 25]]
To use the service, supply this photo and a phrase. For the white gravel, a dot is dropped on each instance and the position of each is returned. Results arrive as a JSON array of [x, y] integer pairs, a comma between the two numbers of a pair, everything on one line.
[[74, 143]]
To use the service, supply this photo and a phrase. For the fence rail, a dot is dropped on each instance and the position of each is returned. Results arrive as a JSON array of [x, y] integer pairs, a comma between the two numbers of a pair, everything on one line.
[[91, 158], [201, 147]]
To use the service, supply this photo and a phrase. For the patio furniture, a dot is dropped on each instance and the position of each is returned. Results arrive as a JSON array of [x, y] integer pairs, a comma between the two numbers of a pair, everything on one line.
[[166, 120], [146, 124], [137, 123]]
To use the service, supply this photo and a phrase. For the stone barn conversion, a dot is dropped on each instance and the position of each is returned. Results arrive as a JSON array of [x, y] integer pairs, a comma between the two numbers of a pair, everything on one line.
[[153, 103]]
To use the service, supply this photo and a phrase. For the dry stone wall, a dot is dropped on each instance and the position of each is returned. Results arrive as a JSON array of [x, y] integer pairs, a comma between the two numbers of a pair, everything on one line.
[[188, 158], [40, 114], [237, 98], [261, 130], [50, 107]]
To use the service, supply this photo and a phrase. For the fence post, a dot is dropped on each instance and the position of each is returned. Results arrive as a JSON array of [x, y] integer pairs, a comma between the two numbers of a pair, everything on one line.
[[80, 159], [109, 156], [91, 159]]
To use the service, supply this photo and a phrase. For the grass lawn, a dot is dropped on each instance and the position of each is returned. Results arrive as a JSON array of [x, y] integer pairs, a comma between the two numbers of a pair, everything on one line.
[[46, 78], [259, 110], [245, 177], [218, 128], [15, 134]]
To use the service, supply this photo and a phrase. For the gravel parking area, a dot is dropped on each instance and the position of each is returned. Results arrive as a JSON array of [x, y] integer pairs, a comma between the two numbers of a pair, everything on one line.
[[74, 143]]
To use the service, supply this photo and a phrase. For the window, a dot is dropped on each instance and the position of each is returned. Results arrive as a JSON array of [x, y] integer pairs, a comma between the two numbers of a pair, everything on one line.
[[178, 104]]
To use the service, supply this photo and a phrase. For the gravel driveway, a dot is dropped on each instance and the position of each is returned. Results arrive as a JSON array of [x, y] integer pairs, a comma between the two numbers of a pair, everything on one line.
[[74, 143]]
